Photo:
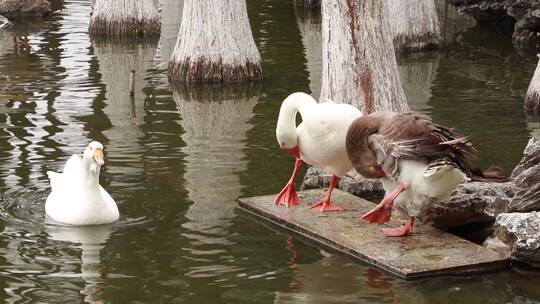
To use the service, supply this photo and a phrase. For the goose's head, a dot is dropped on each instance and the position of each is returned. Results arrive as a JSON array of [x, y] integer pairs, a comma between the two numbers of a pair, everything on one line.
[[288, 141], [286, 133], [94, 153]]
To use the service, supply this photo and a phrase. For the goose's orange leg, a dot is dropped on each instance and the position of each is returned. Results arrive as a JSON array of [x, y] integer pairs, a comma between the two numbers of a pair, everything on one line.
[[287, 196], [382, 212], [403, 230], [326, 204]]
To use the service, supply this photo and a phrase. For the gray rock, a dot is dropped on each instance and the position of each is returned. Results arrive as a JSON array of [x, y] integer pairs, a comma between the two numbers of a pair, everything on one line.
[[495, 244], [524, 14], [473, 202], [353, 183], [14, 9], [358, 185], [531, 157], [526, 177], [521, 232]]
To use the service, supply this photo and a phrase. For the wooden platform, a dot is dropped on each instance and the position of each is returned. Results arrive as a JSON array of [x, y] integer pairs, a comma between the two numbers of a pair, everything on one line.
[[428, 252]]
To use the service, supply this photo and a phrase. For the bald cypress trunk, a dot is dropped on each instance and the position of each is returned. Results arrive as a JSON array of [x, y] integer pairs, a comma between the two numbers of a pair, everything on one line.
[[359, 63], [414, 24], [117, 18], [215, 43], [532, 99]]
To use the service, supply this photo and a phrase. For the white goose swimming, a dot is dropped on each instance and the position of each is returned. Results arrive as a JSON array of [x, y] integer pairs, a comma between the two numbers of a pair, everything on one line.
[[319, 141], [76, 197]]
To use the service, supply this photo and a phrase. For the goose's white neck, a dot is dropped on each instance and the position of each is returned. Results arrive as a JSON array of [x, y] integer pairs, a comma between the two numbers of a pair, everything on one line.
[[90, 171], [286, 124]]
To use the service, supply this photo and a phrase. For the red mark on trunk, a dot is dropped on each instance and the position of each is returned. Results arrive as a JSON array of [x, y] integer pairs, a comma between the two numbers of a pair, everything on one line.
[[366, 84]]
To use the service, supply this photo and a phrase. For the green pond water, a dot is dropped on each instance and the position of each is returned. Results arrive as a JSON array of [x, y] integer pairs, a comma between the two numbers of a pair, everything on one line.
[[176, 163]]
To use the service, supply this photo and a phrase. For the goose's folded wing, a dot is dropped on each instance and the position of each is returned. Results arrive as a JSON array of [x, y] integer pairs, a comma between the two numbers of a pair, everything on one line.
[[412, 135], [328, 120], [68, 176], [72, 166], [55, 180]]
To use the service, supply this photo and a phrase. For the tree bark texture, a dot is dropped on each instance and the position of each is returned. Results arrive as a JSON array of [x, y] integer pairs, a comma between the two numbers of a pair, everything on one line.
[[118, 18], [359, 63], [532, 99], [414, 25], [214, 44]]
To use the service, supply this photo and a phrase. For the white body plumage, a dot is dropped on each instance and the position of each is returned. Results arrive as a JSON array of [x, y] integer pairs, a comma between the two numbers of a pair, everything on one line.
[[427, 184], [76, 197], [321, 135]]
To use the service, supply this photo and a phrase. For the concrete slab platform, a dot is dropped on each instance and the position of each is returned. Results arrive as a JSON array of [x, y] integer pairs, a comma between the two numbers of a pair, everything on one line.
[[428, 252]]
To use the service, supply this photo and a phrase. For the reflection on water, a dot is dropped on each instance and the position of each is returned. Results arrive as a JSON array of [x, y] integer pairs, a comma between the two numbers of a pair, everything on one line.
[[176, 162], [89, 240], [125, 114], [417, 72], [171, 17], [336, 279], [215, 121], [309, 23], [452, 22], [533, 124]]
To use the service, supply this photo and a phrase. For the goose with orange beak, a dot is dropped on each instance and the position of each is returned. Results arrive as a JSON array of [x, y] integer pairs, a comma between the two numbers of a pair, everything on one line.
[[76, 197], [318, 141]]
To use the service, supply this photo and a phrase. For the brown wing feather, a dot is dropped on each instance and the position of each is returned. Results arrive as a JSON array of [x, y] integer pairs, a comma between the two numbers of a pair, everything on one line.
[[413, 135]]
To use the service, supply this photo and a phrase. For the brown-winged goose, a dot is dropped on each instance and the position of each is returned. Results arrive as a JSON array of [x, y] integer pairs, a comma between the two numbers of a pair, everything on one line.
[[420, 163]]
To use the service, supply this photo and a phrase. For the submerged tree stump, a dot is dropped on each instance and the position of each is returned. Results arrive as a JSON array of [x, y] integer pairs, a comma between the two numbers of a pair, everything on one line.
[[414, 25], [215, 43], [117, 18], [359, 63], [532, 99]]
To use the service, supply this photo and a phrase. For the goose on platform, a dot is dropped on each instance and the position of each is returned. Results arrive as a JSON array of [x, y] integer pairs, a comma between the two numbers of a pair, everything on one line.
[[420, 163], [318, 141], [76, 197]]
